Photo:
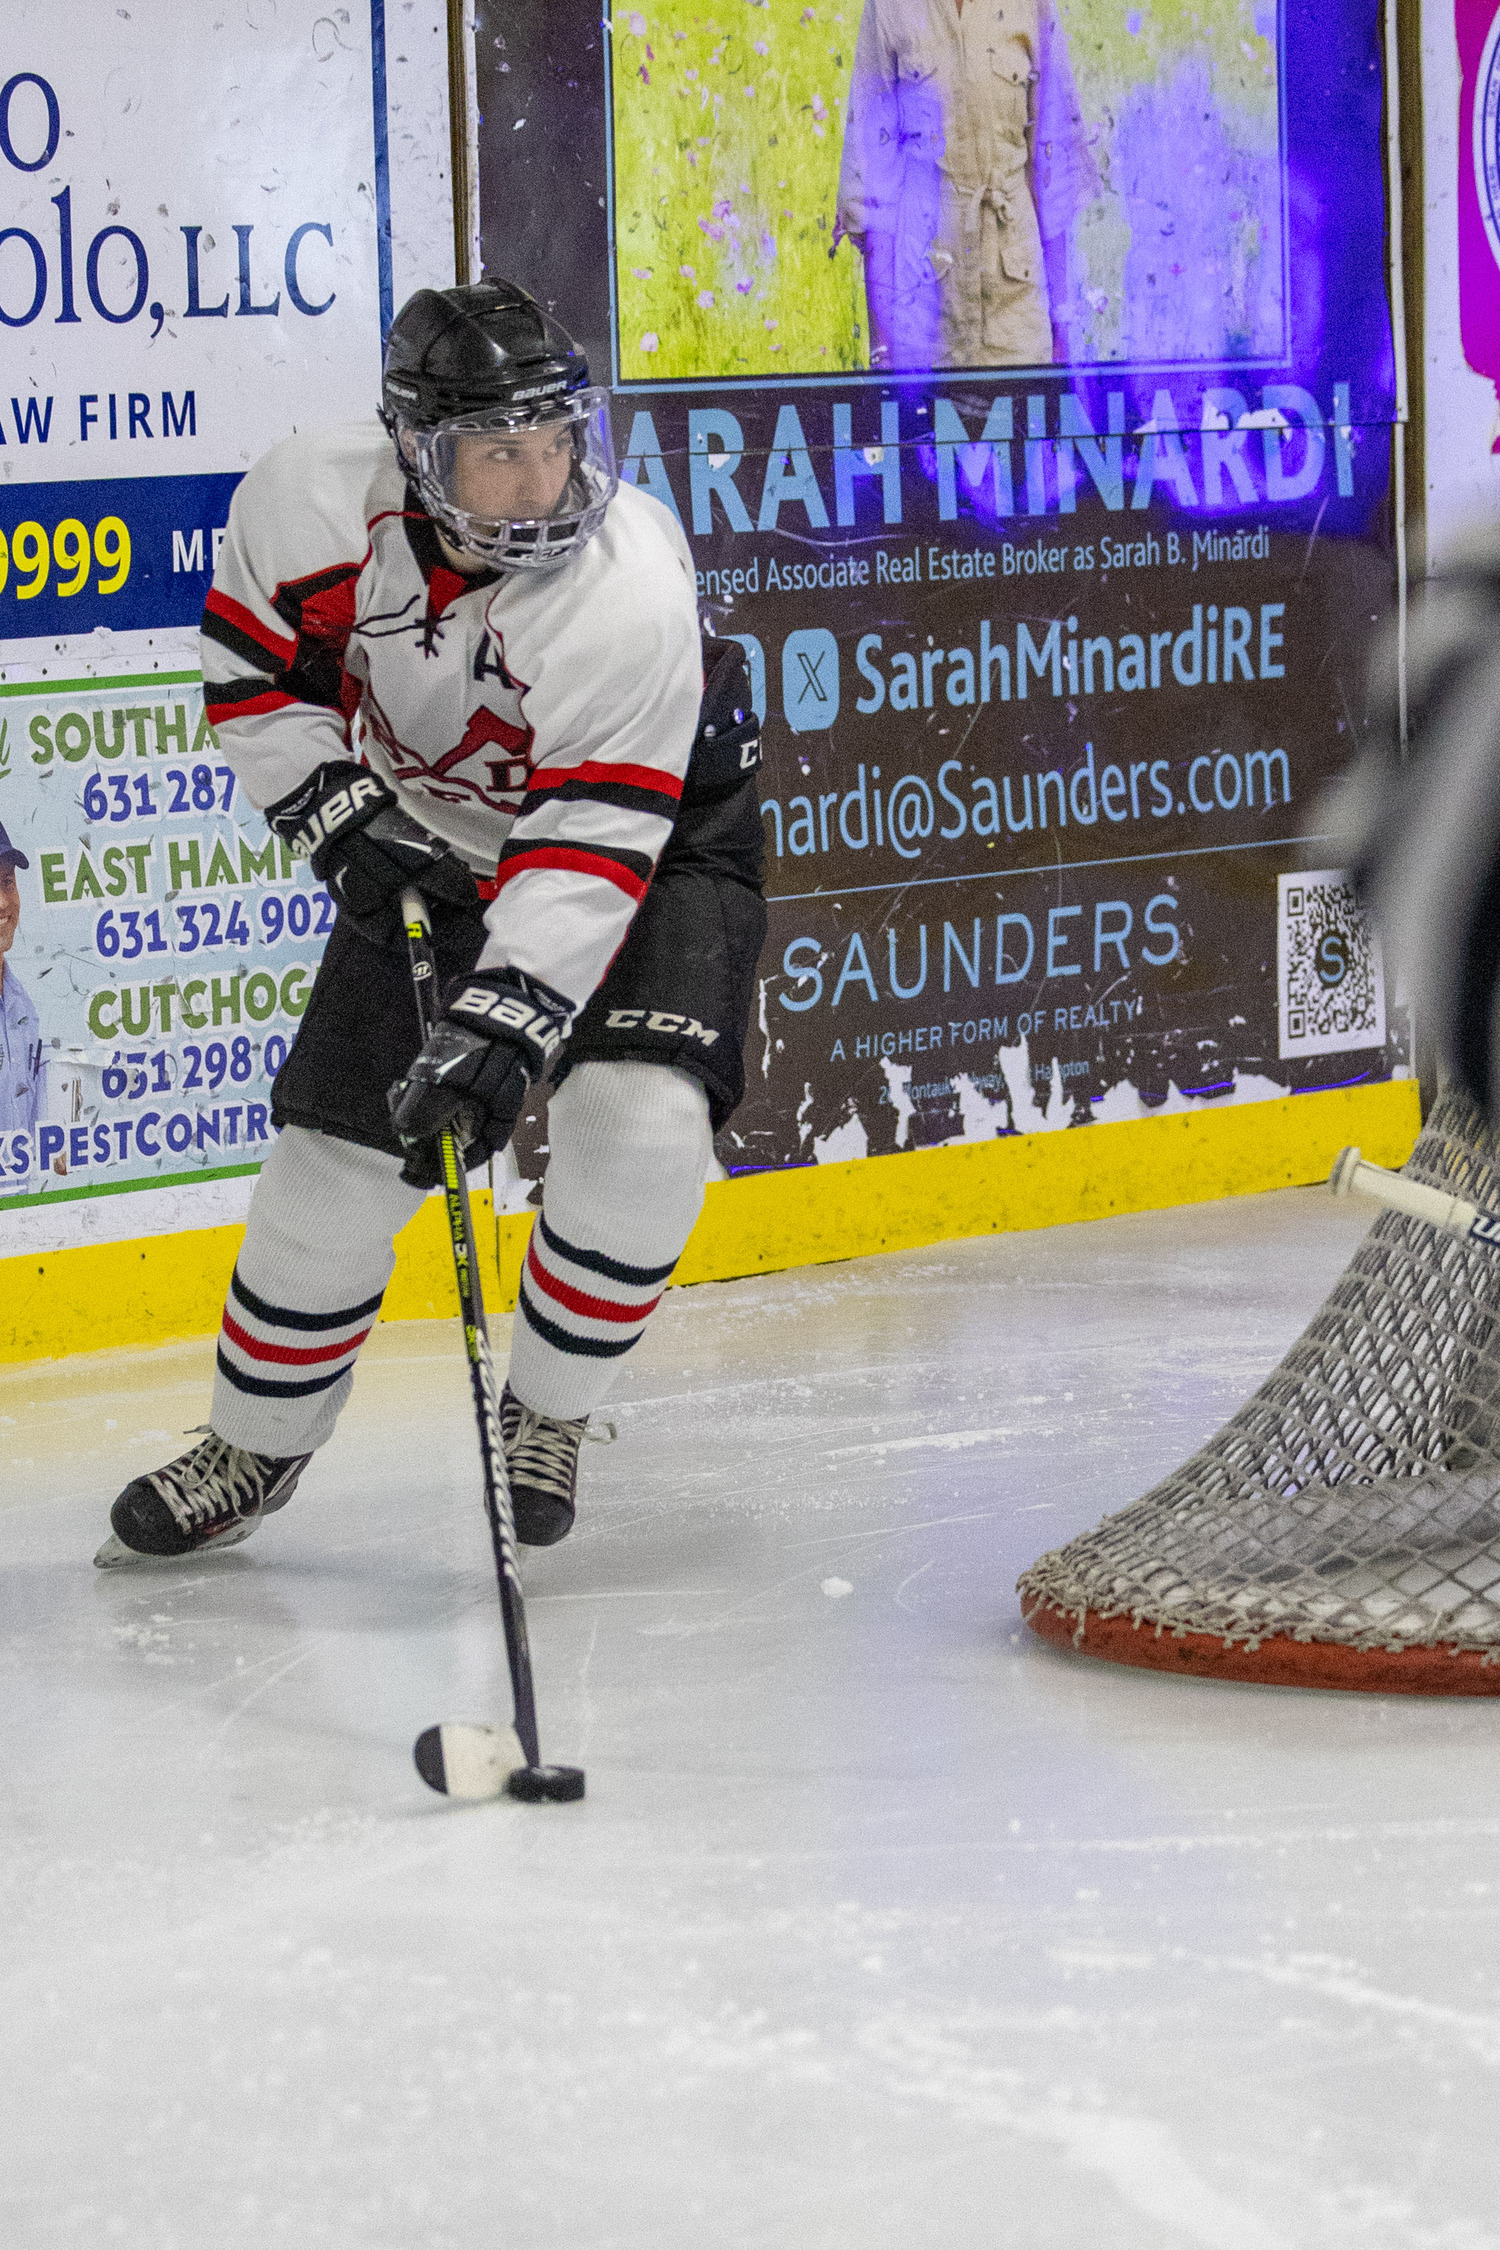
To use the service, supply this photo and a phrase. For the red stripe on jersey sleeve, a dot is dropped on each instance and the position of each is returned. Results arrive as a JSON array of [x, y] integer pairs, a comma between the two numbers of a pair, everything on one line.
[[235, 613], [219, 714], [597, 769], [578, 861]]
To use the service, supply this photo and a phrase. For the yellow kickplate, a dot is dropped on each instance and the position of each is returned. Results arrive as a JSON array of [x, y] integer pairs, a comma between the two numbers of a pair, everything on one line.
[[164, 1286]]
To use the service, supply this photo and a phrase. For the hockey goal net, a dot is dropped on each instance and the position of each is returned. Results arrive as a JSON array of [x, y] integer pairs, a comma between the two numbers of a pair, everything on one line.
[[1343, 1528]]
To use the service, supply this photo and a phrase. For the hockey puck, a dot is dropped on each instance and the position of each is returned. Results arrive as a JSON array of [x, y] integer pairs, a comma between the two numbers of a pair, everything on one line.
[[546, 1785]]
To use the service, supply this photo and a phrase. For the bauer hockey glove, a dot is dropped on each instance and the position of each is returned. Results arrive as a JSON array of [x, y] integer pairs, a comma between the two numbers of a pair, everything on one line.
[[360, 843], [499, 1031]]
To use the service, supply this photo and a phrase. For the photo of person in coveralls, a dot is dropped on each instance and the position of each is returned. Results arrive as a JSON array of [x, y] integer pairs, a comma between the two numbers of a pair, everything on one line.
[[20, 1033], [965, 162]]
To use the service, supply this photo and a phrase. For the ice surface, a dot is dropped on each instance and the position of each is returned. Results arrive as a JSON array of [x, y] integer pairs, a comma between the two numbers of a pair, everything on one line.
[[883, 1926]]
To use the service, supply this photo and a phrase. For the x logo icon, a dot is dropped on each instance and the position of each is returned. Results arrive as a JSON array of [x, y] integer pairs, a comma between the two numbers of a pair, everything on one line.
[[812, 684]]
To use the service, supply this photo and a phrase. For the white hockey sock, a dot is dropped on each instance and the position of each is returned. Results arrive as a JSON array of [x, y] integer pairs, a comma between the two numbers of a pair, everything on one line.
[[630, 1149], [307, 1286]]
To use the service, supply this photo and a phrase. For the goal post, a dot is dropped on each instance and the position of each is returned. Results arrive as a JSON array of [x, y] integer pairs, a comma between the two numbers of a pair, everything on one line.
[[1343, 1528]]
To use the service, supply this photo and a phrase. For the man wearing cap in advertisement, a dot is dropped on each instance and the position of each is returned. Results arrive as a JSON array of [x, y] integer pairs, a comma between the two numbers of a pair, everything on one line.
[[20, 1034], [965, 163]]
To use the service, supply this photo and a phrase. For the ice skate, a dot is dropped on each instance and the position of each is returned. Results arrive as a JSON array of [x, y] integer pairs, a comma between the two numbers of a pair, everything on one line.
[[541, 1455], [214, 1495]]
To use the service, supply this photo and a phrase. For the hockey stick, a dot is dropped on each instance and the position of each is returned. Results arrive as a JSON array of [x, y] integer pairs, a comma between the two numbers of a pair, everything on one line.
[[460, 1758], [1352, 1175]]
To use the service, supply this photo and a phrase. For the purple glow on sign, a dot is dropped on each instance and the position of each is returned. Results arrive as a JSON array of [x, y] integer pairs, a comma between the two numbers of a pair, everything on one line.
[[1133, 23], [1184, 291]]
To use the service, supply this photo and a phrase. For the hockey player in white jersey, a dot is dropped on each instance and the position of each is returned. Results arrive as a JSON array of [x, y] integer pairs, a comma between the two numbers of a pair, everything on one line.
[[447, 649]]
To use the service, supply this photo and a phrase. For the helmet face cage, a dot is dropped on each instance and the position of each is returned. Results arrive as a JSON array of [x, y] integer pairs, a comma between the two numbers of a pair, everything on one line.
[[434, 455]]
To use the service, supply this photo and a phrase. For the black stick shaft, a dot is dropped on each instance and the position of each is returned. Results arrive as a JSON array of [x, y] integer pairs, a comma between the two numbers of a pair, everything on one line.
[[497, 1503]]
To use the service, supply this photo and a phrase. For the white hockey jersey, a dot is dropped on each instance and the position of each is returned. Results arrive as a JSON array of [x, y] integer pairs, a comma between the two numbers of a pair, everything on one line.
[[540, 723]]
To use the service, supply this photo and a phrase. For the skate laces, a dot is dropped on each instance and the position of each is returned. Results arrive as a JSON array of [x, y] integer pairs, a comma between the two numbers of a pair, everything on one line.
[[542, 1451], [214, 1479]]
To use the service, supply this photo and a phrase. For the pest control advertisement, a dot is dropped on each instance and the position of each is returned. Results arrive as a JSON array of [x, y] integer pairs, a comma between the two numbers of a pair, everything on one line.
[[158, 943]]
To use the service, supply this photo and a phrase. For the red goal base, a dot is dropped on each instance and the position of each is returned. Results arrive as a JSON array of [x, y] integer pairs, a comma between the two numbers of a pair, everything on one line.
[[1279, 1661]]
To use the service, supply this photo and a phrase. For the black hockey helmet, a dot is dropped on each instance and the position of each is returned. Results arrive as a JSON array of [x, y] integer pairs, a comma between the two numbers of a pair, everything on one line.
[[454, 352], [468, 371]]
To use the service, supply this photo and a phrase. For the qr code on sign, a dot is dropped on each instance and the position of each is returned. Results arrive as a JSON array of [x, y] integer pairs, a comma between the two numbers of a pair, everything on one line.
[[1330, 979]]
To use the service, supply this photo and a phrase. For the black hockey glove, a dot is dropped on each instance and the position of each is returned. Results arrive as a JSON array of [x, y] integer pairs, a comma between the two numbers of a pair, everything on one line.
[[499, 1030], [360, 843]]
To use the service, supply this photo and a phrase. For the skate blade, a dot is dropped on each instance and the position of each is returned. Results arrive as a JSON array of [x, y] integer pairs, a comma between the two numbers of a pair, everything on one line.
[[115, 1555], [468, 1760]]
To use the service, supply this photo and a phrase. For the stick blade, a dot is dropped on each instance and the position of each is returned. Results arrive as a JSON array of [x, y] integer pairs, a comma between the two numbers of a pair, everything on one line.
[[466, 1760]]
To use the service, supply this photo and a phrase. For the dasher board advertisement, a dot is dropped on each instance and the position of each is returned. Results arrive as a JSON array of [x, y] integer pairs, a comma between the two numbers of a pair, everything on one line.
[[1059, 600], [889, 186], [157, 944], [1460, 271], [1049, 720], [910, 184], [195, 260]]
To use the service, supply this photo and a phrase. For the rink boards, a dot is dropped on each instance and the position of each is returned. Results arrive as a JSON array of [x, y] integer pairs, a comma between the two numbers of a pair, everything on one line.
[[165, 1286]]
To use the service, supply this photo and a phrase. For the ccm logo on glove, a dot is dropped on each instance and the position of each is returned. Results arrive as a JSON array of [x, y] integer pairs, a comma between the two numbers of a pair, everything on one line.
[[507, 1011]]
